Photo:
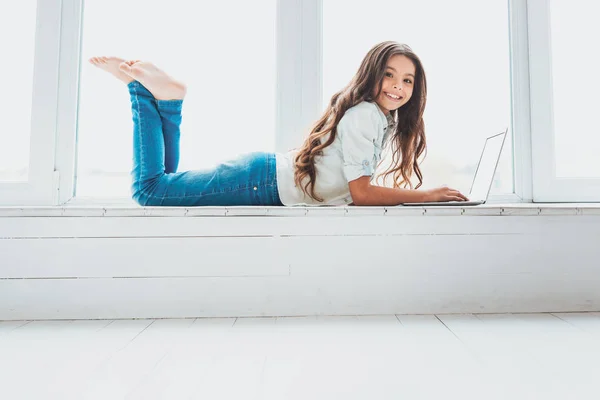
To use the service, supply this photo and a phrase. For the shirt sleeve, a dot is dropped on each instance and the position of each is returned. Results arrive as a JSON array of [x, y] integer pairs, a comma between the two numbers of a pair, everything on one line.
[[357, 131]]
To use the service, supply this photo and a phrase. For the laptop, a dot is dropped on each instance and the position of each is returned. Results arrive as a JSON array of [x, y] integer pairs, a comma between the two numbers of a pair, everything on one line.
[[484, 175]]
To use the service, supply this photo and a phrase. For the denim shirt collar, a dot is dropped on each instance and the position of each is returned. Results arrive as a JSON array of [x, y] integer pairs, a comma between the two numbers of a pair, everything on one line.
[[389, 123], [388, 120]]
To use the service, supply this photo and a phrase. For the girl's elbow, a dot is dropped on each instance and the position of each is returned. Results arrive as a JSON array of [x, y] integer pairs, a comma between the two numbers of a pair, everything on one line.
[[359, 189], [359, 198]]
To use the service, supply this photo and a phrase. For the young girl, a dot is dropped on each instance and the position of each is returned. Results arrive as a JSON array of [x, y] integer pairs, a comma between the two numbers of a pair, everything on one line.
[[382, 104]]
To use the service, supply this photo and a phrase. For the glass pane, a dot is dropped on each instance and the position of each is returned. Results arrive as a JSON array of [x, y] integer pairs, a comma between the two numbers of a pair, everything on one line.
[[17, 20], [225, 53], [576, 84], [467, 64]]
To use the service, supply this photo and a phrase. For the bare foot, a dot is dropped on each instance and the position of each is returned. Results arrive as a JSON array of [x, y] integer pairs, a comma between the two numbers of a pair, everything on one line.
[[161, 85], [111, 65]]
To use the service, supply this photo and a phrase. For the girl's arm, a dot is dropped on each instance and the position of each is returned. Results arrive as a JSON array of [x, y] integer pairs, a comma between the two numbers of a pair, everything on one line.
[[365, 194]]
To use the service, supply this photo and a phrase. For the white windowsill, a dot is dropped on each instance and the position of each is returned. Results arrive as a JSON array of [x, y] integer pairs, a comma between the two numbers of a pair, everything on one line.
[[130, 209]]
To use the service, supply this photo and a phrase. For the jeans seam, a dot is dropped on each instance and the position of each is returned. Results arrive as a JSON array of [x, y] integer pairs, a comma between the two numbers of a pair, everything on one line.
[[138, 132], [268, 177], [268, 185], [149, 195], [204, 194]]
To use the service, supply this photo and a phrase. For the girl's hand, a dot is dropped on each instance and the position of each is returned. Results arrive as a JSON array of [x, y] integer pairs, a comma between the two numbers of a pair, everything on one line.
[[444, 194]]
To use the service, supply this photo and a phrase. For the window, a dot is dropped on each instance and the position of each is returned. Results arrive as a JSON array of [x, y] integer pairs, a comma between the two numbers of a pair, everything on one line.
[[564, 104], [464, 47], [226, 58], [259, 72], [576, 83], [17, 20]]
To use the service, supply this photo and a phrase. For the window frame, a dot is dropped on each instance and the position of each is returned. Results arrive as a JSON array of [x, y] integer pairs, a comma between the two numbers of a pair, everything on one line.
[[548, 187], [42, 186]]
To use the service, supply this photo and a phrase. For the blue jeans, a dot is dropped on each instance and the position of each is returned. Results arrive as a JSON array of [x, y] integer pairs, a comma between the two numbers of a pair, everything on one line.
[[248, 180]]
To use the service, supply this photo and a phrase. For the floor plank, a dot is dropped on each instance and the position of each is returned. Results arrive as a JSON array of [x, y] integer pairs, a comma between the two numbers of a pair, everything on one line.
[[587, 322], [8, 326], [126, 367], [239, 361], [543, 355], [188, 364]]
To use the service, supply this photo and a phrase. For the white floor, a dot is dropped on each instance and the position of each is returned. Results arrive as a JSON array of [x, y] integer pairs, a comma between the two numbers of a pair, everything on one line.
[[483, 356]]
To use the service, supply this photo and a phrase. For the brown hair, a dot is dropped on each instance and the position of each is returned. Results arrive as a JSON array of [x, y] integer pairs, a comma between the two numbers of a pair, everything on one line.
[[408, 140]]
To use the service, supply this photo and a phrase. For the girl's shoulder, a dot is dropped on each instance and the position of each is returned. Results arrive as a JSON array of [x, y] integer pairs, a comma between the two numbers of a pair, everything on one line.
[[363, 112], [364, 107]]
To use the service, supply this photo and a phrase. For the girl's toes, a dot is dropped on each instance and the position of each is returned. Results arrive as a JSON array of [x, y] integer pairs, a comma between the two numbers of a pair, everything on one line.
[[125, 67], [136, 71]]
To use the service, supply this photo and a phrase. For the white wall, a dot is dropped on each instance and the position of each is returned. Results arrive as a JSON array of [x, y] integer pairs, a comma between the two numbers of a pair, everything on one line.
[[343, 261]]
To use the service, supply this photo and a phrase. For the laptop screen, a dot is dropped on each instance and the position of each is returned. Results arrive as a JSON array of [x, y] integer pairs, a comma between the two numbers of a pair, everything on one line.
[[487, 167]]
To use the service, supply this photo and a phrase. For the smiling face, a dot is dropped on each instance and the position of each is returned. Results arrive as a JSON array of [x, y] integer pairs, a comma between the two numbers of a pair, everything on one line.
[[398, 83]]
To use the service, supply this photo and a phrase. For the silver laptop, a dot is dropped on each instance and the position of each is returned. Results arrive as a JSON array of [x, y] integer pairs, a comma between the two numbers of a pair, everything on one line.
[[484, 175]]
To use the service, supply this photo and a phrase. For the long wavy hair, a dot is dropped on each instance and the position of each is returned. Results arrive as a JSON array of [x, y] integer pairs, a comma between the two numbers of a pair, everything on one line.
[[408, 139]]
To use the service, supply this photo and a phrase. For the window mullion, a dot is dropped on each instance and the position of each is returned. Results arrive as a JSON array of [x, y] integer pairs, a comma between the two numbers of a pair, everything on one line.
[[299, 43], [542, 137], [70, 45], [521, 122], [312, 63], [289, 80]]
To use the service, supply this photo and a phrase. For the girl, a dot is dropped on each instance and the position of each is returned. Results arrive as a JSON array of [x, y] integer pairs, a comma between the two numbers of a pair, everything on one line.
[[384, 102]]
